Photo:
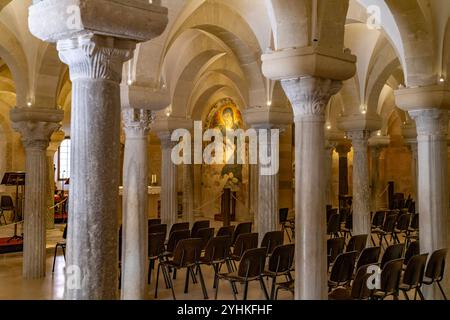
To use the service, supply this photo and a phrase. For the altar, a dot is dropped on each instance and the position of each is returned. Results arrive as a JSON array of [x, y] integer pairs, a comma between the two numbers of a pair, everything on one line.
[[154, 203]]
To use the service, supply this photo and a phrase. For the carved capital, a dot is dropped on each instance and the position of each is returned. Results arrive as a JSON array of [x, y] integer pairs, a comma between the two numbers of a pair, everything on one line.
[[96, 57], [166, 140], [431, 123], [137, 122], [360, 140], [310, 96]]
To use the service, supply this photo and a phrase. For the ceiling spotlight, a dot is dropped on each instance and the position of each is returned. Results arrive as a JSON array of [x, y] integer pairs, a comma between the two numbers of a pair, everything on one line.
[[441, 79]]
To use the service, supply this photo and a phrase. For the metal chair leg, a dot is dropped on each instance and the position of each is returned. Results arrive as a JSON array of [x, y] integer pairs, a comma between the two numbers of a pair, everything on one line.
[[245, 291], [202, 282], [54, 259], [442, 290], [263, 286], [186, 282]]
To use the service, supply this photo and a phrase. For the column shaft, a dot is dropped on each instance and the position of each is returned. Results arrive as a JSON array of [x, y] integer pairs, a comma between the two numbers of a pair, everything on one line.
[[329, 174], [169, 209], [188, 193]]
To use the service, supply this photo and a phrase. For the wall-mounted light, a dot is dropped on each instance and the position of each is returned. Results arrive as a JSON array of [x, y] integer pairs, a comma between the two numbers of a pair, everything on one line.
[[29, 103], [441, 79], [363, 109], [328, 126], [130, 82], [169, 111], [379, 133], [269, 103]]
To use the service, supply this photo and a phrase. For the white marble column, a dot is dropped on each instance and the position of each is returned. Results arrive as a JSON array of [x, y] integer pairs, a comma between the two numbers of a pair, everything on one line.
[[432, 130], [36, 127], [414, 170], [188, 193], [169, 207], [329, 149], [55, 142], [309, 97], [135, 204], [361, 184], [343, 150], [253, 203]]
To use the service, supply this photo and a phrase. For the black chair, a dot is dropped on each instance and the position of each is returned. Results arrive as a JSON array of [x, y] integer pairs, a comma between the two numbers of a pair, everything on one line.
[[174, 238], [285, 286], [216, 254], [412, 250], [389, 280], [225, 231], [6, 204], [393, 252], [348, 226], [369, 256], [413, 276], [358, 290], [179, 227], [280, 264], [330, 212], [62, 245], [155, 252], [286, 224], [251, 268], [198, 225], [335, 247], [342, 270], [205, 234], [272, 240], [186, 256], [412, 233], [434, 272], [386, 230], [158, 228], [245, 227], [378, 220], [402, 226], [334, 225], [357, 243], [152, 222], [244, 242]]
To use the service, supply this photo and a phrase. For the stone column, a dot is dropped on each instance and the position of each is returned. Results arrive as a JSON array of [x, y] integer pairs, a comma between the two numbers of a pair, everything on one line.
[[254, 181], [409, 133], [169, 206], [329, 149], [95, 51], [432, 130], [361, 185], [55, 142], [135, 202], [36, 127], [375, 189], [343, 151], [309, 97], [188, 193]]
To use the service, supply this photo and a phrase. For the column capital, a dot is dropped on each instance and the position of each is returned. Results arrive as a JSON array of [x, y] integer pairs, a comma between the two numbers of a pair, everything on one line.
[[359, 122], [267, 117], [379, 142], [343, 148], [431, 122], [55, 141], [36, 125], [135, 96], [309, 96], [423, 98], [165, 138], [137, 122], [360, 139]]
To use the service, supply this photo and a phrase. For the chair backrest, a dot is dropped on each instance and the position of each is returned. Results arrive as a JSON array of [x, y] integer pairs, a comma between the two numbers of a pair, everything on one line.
[[217, 249], [179, 226], [390, 276], [403, 222], [389, 222], [245, 242], [412, 250], [158, 228], [7, 203], [283, 215], [241, 228], [349, 221], [176, 237], [152, 222], [205, 234], [282, 258], [331, 212], [393, 252], [197, 226], [156, 244], [368, 256], [342, 270], [357, 243], [252, 263], [360, 290], [64, 235], [334, 223], [378, 219], [335, 247], [187, 252], [415, 270], [271, 240], [343, 213], [436, 265], [225, 231], [415, 222]]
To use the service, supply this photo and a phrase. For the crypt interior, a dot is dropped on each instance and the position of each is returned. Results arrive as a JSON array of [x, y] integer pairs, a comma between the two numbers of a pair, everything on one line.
[[94, 207]]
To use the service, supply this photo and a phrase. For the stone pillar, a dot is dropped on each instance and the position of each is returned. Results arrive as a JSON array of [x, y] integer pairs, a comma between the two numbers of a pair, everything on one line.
[[361, 185], [188, 193], [409, 133], [343, 151], [254, 181], [329, 149], [36, 127], [169, 205], [309, 97], [432, 130], [55, 142], [95, 51], [377, 185], [135, 202]]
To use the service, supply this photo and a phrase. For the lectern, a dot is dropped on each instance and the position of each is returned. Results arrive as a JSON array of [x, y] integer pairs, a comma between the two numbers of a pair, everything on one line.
[[16, 179]]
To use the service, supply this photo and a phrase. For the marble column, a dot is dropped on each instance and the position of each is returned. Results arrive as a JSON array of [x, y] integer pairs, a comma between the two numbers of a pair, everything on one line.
[[95, 52], [412, 145], [432, 130], [135, 204], [361, 184], [253, 203], [343, 151], [169, 207], [36, 127], [309, 97], [328, 173], [375, 183], [188, 193], [55, 142]]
